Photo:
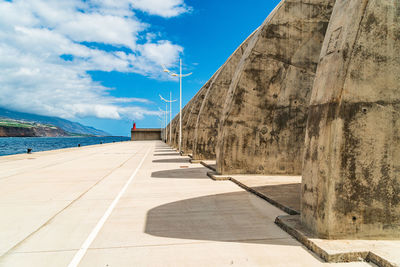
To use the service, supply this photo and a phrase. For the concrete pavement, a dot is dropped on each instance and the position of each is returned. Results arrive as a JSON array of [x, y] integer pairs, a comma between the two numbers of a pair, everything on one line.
[[150, 207]]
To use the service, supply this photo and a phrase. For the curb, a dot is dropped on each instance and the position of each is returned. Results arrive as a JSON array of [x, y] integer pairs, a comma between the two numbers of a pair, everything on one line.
[[288, 223], [280, 206], [208, 166], [216, 177]]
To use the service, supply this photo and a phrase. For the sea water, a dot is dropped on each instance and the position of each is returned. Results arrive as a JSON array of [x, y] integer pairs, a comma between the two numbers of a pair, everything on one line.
[[17, 145]]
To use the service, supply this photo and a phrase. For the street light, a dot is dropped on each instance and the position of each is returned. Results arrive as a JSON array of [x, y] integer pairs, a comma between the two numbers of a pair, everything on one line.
[[161, 122], [164, 125], [180, 75], [170, 101]]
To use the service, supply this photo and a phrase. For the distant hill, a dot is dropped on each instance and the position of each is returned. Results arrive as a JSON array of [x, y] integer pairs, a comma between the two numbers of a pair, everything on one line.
[[66, 125], [14, 128]]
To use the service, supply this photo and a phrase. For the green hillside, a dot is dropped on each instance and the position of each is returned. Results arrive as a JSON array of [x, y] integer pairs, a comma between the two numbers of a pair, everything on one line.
[[23, 124]]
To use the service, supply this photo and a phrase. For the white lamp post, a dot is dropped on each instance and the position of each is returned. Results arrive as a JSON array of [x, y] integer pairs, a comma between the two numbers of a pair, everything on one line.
[[165, 125], [170, 114], [161, 122], [180, 75], [164, 122]]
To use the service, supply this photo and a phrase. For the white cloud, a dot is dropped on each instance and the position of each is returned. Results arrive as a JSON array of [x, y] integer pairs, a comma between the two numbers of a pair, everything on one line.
[[36, 34], [131, 100], [163, 52], [102, 29], [164, 8]]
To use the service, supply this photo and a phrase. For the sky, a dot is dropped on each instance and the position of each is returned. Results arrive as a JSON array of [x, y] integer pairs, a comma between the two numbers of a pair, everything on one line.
[[99, 62]]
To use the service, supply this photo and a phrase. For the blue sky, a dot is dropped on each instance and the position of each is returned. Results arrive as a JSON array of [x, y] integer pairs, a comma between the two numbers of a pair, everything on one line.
[[98, 61]]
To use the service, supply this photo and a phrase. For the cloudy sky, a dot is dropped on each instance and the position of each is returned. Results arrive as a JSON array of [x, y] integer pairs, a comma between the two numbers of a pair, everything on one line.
[[98, 61]]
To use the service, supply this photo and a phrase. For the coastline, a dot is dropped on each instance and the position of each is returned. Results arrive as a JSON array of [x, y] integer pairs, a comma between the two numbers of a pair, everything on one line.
[[12, 146], [31, 131], [48, 152]]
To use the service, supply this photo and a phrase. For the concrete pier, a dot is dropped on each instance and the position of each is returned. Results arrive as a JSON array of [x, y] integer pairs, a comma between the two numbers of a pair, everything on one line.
[[313, 92], [134, 204]]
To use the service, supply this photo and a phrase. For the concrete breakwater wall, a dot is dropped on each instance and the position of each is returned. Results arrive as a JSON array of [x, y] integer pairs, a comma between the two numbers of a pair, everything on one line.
[[265, 112], [314, 91], [351, 181]]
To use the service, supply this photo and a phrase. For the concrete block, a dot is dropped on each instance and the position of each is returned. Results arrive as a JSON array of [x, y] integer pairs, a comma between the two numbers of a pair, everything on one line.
[[351, 175]]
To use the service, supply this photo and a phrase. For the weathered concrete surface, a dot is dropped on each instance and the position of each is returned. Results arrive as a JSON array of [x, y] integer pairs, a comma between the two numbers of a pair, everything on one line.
[[168, 216], [208, 119], [185, 116], [175, 132], [263, 123], [351, 181], [145, 134], [176, 124], [191, 120]]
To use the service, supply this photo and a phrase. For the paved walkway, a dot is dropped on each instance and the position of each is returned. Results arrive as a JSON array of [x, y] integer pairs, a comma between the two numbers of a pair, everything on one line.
[[134, 204]]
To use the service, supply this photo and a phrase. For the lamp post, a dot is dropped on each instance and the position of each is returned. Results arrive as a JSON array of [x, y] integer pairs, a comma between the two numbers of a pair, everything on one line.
[[180, 75], [165, 125], [161, 122], [163, 119], [170, 101]]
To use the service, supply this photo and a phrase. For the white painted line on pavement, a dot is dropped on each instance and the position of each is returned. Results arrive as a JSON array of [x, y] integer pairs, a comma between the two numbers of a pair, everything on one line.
[[82, 251]]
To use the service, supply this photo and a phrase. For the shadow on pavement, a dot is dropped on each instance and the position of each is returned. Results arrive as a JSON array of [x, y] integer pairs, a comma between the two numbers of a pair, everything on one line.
[[229, 217], [168, 154], [164, 150], [175, 160], [189, 173], [286, 194]]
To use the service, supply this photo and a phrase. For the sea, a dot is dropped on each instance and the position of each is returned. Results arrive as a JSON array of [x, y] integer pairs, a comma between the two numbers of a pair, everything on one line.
[[18, 145]]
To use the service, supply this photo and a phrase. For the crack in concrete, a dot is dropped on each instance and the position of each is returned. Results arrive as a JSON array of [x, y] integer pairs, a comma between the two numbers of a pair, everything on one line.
[[154, 245]]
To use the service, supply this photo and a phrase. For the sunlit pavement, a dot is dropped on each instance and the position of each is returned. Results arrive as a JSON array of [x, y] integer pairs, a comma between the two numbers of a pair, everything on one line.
[[134, 204]]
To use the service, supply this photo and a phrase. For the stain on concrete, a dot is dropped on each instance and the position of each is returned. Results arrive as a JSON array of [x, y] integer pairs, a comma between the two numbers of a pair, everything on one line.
[[351, 187], [271, 89]]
